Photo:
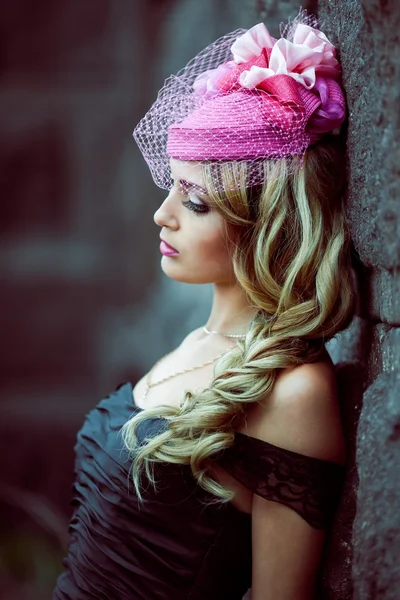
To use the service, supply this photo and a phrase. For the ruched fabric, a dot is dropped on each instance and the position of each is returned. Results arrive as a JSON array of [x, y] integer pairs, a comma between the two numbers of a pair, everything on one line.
[[171, 547]]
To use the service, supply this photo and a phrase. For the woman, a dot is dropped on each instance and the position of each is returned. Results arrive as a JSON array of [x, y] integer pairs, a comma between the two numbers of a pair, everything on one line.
[[233, 441]]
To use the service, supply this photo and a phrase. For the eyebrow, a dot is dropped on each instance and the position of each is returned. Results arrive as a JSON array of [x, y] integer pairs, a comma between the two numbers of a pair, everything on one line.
[[189, 185]]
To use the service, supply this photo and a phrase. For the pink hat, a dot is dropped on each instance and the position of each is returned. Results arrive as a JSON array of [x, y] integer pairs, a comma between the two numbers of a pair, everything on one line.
[[246, 97], [243, 125]]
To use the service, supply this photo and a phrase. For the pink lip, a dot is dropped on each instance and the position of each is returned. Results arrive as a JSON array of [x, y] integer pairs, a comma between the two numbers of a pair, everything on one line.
[[167, 250]]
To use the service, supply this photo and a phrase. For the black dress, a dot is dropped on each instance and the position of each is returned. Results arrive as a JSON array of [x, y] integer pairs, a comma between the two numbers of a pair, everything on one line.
[[174, 546]]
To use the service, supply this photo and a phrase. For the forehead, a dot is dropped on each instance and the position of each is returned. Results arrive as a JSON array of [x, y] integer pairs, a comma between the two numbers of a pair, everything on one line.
[[189, 171]]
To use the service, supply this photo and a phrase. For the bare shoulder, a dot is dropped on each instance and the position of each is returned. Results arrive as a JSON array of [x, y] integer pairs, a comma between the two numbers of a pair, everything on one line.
[[302, 413]]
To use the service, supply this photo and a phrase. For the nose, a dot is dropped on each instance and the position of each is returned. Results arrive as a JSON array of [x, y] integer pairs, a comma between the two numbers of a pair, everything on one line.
[[165, 215]]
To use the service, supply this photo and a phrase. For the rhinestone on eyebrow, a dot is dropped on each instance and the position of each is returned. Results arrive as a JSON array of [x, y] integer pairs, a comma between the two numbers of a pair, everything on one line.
[[186, 185]]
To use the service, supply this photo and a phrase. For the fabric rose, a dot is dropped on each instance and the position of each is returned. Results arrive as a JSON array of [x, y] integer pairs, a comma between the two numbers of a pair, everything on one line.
[[206, 83], [248, 49], [332, 110], [251, 44], [309, 53]]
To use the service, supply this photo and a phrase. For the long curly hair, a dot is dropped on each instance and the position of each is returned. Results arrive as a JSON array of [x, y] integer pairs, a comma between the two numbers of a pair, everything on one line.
[[292, 259]]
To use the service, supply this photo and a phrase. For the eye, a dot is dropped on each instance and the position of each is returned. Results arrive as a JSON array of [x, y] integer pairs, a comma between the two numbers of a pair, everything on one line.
[[196, 204]]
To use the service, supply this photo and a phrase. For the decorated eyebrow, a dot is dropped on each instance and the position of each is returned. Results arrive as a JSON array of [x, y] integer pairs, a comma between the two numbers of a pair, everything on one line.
[[187, 185]]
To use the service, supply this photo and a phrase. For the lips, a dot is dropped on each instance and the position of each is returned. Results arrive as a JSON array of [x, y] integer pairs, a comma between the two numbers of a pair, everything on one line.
[[167, 250]]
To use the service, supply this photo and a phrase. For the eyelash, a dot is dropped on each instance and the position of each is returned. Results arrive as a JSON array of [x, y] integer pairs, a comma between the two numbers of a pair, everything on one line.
[[198, 209]]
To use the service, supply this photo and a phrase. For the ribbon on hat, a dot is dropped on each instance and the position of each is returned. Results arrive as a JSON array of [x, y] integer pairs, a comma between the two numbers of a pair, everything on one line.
[[302, 71]]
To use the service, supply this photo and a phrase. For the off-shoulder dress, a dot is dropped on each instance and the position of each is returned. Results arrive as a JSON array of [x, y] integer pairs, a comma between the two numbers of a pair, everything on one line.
[[175, 545]]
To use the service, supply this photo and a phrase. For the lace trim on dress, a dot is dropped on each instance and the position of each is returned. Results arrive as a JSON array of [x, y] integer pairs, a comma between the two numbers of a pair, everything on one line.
[[310, 486]]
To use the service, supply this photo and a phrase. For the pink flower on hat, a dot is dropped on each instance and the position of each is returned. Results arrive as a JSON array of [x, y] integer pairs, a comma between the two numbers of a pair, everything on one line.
[[309, 53], [258, 56], [206, 83], [305, 58], [251, 44]]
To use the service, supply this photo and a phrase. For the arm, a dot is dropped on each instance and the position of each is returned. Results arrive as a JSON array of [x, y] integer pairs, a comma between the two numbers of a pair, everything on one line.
[[302, 415], [286, 553]]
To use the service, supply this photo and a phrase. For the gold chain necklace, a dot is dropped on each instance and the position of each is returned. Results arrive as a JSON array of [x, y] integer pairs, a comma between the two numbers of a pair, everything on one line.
[[150, 384]]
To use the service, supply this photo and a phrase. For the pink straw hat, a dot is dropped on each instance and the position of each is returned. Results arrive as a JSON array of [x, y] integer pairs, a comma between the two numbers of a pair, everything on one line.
[[243, 125], [246, 97]]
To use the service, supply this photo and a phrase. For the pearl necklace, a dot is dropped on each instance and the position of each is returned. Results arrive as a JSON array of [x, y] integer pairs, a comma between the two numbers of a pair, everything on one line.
[[227, 335]]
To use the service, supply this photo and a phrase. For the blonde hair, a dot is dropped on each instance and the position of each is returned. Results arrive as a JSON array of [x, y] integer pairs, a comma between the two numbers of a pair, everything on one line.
[[292, 260]]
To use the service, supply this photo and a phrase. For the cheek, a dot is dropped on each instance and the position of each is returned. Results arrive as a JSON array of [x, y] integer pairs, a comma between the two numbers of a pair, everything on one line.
[[214, 250]]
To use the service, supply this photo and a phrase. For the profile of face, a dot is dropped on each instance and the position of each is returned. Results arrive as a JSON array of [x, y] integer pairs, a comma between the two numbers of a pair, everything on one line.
[[195, 244]]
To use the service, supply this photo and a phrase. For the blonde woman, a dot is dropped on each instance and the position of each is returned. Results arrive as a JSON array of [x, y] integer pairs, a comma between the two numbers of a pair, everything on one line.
[[220, 470]]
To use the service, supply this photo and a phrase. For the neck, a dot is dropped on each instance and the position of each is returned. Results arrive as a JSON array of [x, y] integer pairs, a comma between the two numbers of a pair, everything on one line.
[[231, 311]]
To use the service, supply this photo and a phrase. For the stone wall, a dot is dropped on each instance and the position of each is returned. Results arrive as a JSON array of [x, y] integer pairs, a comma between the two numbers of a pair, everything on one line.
[[367, 36]]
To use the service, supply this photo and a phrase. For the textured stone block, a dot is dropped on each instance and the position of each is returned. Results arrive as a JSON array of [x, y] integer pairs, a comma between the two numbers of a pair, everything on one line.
[[391, 350], [349, 345], [385, 351], [384, 301], [376, 539], [366, 34], [336, 574]]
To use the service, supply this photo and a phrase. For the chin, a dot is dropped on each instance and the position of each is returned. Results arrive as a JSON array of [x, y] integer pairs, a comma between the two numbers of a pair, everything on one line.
[[184, 275], [182, 278], [193, 275]]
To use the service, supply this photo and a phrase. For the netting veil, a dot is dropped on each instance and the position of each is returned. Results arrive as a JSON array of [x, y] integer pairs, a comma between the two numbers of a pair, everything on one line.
[[246, 97]]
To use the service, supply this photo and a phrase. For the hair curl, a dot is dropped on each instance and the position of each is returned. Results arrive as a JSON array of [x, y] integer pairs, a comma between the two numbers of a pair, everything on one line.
[[292, 259]]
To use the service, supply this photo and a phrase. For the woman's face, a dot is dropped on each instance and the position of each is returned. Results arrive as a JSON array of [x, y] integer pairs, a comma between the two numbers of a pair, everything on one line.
[[195, 244]]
